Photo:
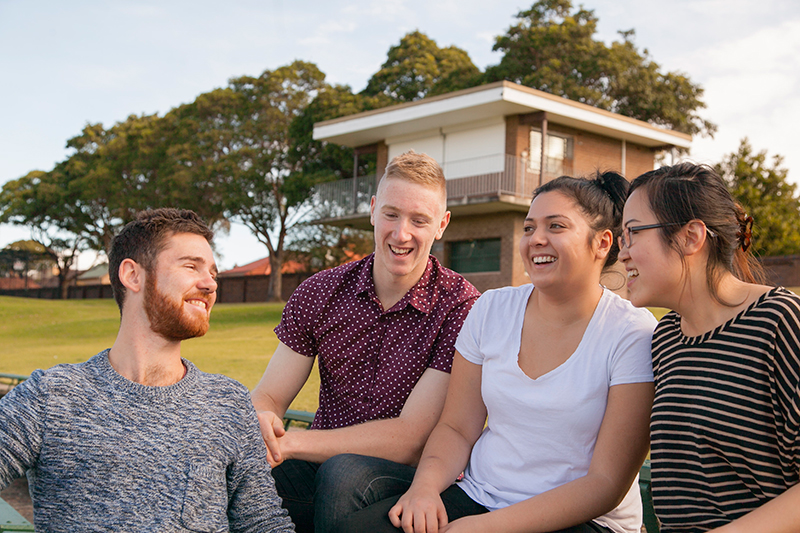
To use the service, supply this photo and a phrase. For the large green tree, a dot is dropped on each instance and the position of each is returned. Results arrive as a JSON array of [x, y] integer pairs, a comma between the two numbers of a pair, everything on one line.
[[760, 184], [236, 143], [417, 68], [40, 203], [553, 48]]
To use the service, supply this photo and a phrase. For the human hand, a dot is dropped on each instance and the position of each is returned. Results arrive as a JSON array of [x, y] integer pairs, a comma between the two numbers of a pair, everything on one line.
[[419, 511], [272, 430]]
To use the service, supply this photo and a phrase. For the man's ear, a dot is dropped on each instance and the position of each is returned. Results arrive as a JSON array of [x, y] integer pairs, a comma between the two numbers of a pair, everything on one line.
[[443, 225], [693, 235], [372, 211], [131, 275]]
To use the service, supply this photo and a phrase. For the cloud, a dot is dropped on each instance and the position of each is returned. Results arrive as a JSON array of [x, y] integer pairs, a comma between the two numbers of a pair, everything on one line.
[[325, 33]]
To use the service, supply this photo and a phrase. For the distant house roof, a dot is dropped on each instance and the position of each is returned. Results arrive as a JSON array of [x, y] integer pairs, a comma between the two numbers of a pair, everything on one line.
[[485, 101], [263, 268], [9, 284], [95, 272]]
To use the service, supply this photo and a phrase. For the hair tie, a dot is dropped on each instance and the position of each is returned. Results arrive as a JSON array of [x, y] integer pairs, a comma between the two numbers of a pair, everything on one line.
[[745, 233]]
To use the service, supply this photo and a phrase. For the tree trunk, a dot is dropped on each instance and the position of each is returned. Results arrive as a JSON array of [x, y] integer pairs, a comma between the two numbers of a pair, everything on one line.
[[63, 285], [275, 292]]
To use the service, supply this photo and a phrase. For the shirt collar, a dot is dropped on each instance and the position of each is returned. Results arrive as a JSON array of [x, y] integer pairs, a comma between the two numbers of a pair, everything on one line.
[[420, 296]]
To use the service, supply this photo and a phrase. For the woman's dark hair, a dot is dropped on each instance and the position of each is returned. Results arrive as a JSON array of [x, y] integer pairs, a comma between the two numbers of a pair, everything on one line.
[[685, 192], [600, 199]]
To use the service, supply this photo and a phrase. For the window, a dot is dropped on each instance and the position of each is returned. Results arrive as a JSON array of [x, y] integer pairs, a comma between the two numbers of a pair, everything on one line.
[[557, 153], [481, 255]]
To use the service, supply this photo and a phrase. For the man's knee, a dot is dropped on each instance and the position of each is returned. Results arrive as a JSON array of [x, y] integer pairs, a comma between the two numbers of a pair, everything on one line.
[[363, 478]]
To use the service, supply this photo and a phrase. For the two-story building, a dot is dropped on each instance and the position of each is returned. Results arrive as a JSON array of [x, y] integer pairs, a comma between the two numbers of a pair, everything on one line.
[[496, 144]]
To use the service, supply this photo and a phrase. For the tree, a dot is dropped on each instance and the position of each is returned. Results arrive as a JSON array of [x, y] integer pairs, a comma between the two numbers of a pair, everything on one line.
[[115, 173], [325, 246], [553, 48], [417, 68], [766, 194], [323, 160], [235, 142], [20, 257], [39, 202]]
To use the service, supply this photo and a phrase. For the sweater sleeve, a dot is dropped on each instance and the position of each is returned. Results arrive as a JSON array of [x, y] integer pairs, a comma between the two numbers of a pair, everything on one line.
[[253, 502], [21, 427]]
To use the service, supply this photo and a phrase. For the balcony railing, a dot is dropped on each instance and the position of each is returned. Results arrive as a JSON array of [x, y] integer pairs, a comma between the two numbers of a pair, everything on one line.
[[478, 178]]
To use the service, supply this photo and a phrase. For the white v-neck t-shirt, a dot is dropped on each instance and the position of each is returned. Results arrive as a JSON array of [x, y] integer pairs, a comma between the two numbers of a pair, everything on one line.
[[541, 432]]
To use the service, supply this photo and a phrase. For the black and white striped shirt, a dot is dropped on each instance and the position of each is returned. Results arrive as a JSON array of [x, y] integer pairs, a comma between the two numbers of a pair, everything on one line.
[[724, 429]]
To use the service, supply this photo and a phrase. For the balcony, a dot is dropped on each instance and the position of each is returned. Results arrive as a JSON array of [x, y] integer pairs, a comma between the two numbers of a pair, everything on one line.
[[472, 182]]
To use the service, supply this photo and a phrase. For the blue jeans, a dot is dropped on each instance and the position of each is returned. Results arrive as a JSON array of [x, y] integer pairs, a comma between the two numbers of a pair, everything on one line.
[[318, 496], [457, 504]]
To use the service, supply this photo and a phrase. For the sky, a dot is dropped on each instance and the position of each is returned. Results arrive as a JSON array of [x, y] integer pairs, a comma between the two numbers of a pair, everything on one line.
[[67, 64]]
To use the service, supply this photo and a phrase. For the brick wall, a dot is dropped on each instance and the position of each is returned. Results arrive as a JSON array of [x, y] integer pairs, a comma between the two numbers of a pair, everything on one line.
[[591, 151], [783, 271], [639, 159], [254, 288], [507, 227]]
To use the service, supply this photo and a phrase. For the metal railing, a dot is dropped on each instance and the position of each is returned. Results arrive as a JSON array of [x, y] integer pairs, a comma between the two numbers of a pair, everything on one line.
[[478, 177], [344, 197]]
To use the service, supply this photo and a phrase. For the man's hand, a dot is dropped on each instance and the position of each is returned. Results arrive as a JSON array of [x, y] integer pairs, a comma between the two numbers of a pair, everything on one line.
[[272, 430], [285, 375]]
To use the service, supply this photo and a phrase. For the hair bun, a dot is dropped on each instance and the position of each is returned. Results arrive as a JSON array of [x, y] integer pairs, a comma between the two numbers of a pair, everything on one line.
[[615, 186]]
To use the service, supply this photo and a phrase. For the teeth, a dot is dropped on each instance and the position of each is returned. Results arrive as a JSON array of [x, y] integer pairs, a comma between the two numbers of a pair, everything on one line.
[[632, 273], [198, 303], [400, 251], [543, 259]]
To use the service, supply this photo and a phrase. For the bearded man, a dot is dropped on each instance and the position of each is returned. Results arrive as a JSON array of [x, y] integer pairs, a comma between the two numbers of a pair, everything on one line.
[[137, 438]]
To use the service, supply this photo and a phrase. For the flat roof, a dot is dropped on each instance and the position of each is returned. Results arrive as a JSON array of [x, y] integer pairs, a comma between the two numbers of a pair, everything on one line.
[[489, 101]]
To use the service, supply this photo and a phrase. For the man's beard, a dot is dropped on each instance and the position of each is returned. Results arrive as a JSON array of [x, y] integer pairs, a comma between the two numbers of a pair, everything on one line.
[[167, 317]]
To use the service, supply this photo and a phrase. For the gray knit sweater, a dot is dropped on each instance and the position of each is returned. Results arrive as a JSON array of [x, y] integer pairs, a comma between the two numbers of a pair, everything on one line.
[[103, 453]]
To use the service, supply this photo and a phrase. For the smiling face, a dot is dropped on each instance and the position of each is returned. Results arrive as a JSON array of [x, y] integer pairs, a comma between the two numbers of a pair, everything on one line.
[[654, 270], [181, 289], [407, 218], [558, 247]]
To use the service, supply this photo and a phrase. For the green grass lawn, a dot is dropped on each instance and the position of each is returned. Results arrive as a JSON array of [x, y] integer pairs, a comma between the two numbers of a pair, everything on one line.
[[42, 333]]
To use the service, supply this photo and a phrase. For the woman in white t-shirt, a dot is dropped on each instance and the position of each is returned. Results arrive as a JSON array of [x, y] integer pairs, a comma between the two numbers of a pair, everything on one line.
[[549, 401]]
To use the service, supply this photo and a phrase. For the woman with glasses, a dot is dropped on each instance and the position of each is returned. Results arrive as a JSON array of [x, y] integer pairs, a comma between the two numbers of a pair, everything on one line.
[[726, 417], [560, 373]]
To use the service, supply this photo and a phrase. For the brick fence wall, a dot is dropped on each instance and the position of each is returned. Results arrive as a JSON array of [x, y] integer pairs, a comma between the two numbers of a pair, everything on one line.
[[230, 290], [783, 270]]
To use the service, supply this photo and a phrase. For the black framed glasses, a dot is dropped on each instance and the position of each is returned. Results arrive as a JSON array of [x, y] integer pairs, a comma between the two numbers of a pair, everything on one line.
[[626, 239]]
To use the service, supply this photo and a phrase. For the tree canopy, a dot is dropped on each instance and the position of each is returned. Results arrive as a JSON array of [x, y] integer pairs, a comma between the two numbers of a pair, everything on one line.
[[553, 48], [417, 68], [760, 184]]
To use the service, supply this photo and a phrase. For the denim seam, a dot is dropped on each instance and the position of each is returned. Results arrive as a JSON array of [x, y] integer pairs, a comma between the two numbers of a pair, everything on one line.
[[366, 490]]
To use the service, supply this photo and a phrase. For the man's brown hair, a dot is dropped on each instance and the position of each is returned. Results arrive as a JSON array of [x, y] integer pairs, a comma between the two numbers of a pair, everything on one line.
[[144, 238]]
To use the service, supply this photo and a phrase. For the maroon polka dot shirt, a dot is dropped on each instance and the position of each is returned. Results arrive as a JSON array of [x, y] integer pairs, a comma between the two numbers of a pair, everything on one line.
[[370, 359]]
